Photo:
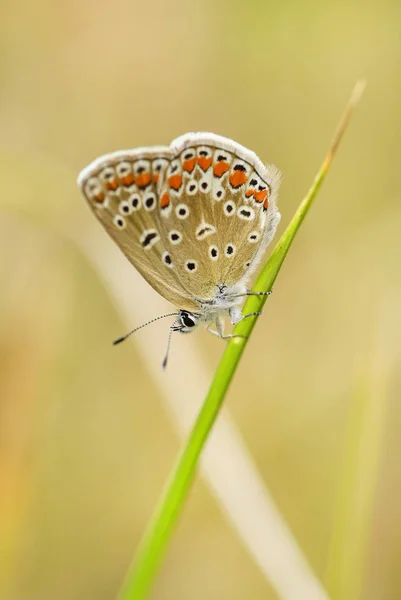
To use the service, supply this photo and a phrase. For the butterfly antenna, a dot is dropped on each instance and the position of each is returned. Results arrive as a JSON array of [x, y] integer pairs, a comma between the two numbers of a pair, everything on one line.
[[164, 363], [124, 337]]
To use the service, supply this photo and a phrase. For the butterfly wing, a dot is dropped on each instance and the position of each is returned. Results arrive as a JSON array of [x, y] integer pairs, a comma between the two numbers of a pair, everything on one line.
[[122, 189], [221, 208]]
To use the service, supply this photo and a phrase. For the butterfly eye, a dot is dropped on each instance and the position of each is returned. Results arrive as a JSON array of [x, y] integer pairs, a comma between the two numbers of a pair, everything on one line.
[[187, 319]]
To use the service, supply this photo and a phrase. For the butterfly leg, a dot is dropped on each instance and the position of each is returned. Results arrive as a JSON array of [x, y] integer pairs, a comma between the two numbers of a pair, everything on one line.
[[236, 315], [251, 293], [220, 331]]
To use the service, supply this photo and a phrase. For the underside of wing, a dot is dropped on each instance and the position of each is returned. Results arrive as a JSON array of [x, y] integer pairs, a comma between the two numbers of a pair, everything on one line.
[[218, 211], [122, 190]]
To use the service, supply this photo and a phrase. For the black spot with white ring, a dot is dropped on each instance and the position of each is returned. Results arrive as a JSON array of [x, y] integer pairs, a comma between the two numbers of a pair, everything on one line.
[[191, 187], [135, 202], [246, 213], [204, 230], [229, 250], [93, 187], [213, 252], [191, 266], [119, 222], [204, 186], [182, 211], [167, 260], [217, 192], [229, 208], [125, 208], [253, 237], [175, 237], [107, 174], [149, 202], [149, 238]]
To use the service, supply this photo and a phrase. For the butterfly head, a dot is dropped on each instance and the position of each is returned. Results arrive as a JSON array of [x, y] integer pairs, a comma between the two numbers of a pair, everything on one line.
[[186, 321]]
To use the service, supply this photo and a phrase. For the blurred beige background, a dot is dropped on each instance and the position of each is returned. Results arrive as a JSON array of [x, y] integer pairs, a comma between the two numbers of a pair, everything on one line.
[[85, 441]]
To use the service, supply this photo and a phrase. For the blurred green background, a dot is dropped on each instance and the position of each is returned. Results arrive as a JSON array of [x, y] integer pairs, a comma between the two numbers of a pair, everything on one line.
[[85, 441]]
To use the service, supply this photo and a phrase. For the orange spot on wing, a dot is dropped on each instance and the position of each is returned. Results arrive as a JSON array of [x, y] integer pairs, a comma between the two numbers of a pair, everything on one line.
[[127, 180], [204, 162], [189, 165], [249, 193], [143, 179], [260, 196], [164, 200], [99, 197], [155, 177], [266, 203], [238, 178], [175, 182], [220, 168], [112, 184]]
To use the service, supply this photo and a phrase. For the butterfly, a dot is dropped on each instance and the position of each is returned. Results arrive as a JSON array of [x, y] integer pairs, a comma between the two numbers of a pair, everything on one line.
[[194, 218]]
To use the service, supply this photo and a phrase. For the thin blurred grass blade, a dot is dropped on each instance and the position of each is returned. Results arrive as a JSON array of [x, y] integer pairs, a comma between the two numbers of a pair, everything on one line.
[[357, 485], [150, 550]]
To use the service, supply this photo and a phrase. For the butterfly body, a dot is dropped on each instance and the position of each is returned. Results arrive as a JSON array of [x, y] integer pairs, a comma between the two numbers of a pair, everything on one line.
[[194, 218]]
